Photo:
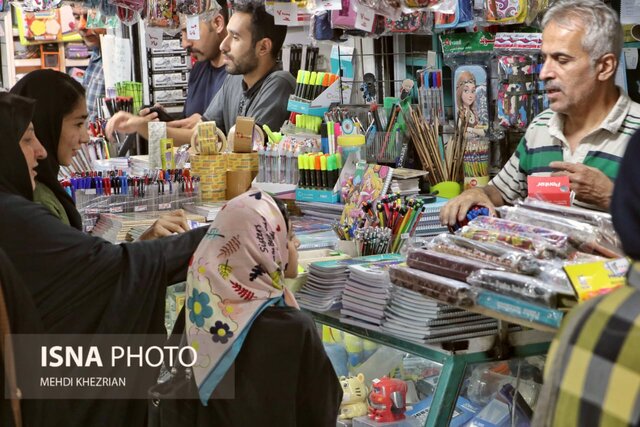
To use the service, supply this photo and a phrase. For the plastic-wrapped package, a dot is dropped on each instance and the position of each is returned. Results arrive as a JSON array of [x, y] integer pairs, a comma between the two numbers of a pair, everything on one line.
[[525, 287], [441, 288], [601, 220], [443, 264], [583, 236], [556, 238], [496, 254], [536, 245]]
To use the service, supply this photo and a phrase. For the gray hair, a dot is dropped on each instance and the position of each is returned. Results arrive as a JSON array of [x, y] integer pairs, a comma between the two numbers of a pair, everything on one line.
[[602, 29]]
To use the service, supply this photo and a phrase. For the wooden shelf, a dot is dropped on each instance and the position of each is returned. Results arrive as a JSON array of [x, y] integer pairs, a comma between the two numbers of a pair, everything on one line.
[[76, 62], [33, 62]]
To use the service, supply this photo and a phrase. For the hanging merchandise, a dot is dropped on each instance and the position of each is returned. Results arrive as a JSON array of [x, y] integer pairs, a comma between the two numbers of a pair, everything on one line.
[[468, 54], [163, 14], [321, 29], [462, 15], [418, 22], [505, 12], [35, 5], [521, 94]]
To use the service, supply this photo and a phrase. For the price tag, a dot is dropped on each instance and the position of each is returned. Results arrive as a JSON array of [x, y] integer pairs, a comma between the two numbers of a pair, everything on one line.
[[365, 18], [154, 37], [90, 191], [116, 209], [631, 58], [193, 27], [141, 208], [284, 13], [331, 5], [164, 206]]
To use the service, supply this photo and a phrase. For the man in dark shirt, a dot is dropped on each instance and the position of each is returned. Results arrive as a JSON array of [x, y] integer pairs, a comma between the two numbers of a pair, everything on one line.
[[208, 74], [255, 87]]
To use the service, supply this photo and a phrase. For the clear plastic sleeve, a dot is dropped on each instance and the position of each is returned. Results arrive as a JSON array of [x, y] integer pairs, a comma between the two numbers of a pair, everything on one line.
[[430, 285], [585, 237], [443, 264], [536, 245], [496, 254], [525, 287], [555, 238]]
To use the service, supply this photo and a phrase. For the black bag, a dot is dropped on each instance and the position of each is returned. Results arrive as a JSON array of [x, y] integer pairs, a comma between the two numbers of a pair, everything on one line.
[[174, 402]]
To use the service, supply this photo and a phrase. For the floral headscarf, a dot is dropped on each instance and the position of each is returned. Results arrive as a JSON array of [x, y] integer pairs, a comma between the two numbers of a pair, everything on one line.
[[236, 272]]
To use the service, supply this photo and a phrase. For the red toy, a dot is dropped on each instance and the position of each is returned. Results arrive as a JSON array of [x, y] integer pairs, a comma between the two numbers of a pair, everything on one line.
[[387, 400]]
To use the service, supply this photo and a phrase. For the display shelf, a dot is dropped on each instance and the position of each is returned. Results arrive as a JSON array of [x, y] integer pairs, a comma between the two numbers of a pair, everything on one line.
[[454, 360], [84, 62], [32, 62]]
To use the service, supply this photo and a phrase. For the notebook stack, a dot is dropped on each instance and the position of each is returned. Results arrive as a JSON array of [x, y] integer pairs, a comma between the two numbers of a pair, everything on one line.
[[331, 211], [366, 295], [327, 279], [429, 224], [415, 318]]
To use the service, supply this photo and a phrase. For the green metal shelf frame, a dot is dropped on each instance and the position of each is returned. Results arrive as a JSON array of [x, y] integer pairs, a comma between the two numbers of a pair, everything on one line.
[[454, 365]]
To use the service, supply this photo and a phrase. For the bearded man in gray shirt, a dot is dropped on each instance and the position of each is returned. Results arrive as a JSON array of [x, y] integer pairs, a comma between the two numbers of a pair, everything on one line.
[[254, 87]]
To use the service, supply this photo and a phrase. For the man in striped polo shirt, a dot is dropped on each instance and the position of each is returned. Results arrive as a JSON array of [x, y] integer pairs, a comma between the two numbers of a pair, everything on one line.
[[592, 373], [585, 132]]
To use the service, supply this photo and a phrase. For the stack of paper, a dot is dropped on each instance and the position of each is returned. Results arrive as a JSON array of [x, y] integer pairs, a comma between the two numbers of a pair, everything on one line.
[[326, 281], [331, 211], [413, 317], [365, 296], [115, 227], [208, 210]]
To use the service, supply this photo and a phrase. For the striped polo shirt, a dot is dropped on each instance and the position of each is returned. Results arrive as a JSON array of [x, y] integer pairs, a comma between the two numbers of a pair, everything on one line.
[[544, 143]]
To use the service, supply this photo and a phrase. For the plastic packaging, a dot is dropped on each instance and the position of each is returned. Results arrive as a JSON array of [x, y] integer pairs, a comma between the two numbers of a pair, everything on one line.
[[441, 288], [555, 238], [381, 363], [443, 264], [583, 236], [525, 287], [499, 255], [537, 246]]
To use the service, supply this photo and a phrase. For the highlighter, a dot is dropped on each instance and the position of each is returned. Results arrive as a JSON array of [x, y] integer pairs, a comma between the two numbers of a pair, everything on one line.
[[332, 171], [318, 86], [324, 138], [299, 80], [317, 169], [312, 85], [302, 167], [311, 173], [338, 160], [323, 170]]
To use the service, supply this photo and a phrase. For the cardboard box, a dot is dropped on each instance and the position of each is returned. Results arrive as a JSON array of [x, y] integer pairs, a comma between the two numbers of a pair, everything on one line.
[[239, 182], [243, 139], [552, 189]]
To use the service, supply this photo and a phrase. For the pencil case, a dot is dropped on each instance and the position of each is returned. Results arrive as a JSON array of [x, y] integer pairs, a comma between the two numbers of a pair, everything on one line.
[[556, 238], [476, 75], [498, 255], [443, 264], [462, 16], [506, 11], [430, 285], [525, 287]]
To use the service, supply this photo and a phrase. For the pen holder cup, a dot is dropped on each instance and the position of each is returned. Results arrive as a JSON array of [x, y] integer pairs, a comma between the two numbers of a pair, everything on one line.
[[447, 189], [348, 247], [384, 147]]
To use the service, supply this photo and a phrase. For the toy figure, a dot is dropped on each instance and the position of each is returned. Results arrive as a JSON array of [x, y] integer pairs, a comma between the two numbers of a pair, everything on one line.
[[387, 400], [354, 394]]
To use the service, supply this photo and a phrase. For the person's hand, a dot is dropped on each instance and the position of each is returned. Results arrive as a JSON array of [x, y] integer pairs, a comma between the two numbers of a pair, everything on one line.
[[187, 123], [589, 184], [171, 223], [456, 209], [146, 111], [127, 122]]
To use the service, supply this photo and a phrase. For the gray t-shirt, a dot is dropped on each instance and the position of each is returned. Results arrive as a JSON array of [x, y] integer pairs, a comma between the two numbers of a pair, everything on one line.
[[266, 101]]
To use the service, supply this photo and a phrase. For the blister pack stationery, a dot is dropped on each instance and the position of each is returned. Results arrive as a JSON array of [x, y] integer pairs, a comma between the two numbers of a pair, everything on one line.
[[469, 55], [521, 94], [163, 14], [462, 15], [505, 12], [418, 22]]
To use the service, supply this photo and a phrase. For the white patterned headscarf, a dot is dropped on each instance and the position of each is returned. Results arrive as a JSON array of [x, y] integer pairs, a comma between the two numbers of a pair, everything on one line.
[[236, 272]]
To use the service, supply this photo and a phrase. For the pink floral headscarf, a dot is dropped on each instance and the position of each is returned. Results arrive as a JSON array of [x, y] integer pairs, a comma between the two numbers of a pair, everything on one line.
[[236, 272]]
